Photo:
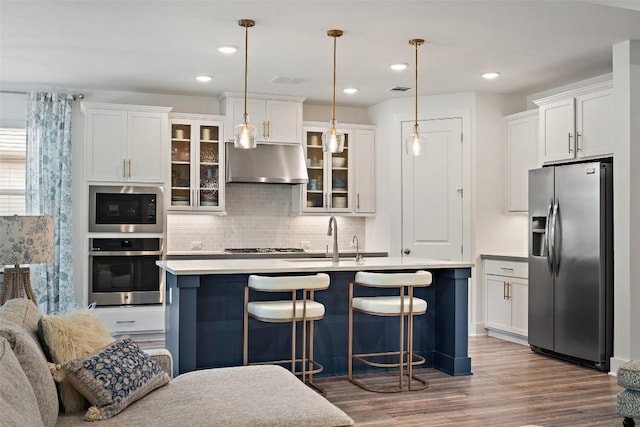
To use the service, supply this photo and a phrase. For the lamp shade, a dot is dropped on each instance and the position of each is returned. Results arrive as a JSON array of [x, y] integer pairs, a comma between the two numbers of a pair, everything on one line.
[[26, 240]]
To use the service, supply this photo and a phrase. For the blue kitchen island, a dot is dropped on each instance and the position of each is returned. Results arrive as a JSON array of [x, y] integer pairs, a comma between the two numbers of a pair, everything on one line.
[[204, 313]]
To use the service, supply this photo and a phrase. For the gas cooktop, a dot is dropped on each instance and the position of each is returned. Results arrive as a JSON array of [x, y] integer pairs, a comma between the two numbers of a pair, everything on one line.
[[262, 250]]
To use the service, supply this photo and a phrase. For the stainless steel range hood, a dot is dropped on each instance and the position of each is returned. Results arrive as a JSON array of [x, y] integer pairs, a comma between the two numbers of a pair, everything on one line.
[[268, 163]]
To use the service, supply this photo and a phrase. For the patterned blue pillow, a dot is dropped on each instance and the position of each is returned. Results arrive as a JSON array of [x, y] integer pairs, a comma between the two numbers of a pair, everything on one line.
[[114, 377]]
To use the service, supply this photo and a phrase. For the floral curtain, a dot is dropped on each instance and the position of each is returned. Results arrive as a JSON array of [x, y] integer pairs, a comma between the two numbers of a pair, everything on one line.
[[48, 192]]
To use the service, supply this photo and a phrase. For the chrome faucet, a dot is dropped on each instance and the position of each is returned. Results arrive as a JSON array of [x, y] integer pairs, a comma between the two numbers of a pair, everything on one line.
[[359, 258], [336, 255]]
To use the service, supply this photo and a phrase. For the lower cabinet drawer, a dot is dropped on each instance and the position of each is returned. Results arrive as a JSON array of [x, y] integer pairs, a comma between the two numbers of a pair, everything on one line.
[[507, 268], [132, 319]]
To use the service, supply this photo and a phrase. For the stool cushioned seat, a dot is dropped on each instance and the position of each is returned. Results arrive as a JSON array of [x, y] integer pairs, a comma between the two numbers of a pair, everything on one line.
[[419, 278], [283, 310], [629, 399], [629, 375], [316, 282], [389, 305]]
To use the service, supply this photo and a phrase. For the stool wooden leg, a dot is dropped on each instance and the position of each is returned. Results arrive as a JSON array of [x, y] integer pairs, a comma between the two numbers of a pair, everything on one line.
[[245, 332], [410, 337], [304, 336], [401, 370], [350, 334], [293, 334]]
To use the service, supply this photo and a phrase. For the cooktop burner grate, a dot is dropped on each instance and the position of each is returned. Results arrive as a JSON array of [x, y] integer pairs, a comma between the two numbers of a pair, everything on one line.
[[261, 250]]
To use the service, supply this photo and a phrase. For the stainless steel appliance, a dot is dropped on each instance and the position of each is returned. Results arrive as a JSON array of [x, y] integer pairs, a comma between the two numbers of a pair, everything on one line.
[[125, 209], [124, 271], [571, 262], [268, 163]]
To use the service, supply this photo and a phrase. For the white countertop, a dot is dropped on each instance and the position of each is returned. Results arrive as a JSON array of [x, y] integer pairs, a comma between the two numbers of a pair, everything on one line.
[[240, 266]]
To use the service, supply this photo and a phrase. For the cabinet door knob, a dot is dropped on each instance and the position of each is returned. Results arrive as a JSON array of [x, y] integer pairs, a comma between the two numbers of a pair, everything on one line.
[[406, 251]]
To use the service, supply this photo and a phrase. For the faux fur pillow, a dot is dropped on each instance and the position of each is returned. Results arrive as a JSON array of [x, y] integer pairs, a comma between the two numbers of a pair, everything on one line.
[[114, 377], [68, 337]]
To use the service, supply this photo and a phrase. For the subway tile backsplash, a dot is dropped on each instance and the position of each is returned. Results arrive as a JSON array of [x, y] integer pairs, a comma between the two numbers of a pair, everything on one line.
[[258, 215]]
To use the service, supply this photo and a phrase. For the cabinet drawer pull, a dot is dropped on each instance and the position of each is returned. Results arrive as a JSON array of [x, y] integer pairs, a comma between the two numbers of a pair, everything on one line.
[[358, 201], [506, 268], [124, 168], [569, 140], [129, 168], [121, 322], [504, 290]]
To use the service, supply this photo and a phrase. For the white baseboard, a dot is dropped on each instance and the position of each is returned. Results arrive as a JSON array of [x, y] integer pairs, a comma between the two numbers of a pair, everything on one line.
[[477, 329], [614, 364], [508, 337]]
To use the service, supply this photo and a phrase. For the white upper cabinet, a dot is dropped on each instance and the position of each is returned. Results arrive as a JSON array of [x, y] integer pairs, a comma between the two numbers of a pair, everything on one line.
[[277, 119], [365, 171], [576, 125], [197, 162], [125, 143], [342, 183], [521, 138]]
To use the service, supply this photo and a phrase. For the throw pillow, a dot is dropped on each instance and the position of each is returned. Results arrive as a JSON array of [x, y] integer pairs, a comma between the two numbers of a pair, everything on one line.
[[114, 377], [23, 312], [18, 405], [68, 337], [35, 367]]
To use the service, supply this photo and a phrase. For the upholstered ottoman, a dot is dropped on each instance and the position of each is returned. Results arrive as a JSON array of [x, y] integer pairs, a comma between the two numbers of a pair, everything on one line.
[[629, 398]]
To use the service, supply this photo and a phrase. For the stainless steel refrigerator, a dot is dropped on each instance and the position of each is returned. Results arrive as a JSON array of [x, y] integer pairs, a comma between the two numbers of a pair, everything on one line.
[[571, 262]]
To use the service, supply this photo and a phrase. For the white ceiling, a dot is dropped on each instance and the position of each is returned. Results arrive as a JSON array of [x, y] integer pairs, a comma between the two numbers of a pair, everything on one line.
[[160, 46]]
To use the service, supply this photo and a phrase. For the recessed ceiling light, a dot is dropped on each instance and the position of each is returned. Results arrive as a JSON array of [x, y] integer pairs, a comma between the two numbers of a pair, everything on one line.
[[490, 75], [350, 90], [399, 66], [227, 49], [203, 79]]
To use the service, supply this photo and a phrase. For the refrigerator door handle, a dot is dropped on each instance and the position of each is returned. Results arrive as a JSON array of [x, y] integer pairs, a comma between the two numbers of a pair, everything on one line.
[[554, 224], [547, 229]]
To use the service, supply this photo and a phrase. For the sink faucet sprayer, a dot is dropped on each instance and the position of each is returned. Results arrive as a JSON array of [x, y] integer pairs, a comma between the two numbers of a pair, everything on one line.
[[336, 255], [359, 258]]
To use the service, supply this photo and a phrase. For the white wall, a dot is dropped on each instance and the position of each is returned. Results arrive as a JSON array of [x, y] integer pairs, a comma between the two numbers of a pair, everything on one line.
[[322, 113], [13, 109], [626, 183], [491, 230]]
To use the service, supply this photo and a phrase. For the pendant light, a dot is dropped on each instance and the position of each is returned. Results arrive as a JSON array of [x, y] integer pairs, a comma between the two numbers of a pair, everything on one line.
[[332, 138], [416, 142], [244, 134]]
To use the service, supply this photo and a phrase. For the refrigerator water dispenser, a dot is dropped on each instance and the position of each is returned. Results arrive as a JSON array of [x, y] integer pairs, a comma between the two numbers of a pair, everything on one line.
[[538, 236]]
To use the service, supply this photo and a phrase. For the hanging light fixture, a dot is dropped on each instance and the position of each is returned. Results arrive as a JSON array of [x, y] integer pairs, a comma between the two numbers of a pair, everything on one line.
[[244, 134], [332, 138], [416, 142]]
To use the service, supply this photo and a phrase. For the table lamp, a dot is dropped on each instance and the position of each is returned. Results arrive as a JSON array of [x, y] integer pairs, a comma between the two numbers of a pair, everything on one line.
[[23, 240]]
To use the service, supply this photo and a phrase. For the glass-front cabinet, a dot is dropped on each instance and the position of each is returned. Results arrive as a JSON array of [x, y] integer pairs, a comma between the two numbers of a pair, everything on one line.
[[197, 163], [330, 175]]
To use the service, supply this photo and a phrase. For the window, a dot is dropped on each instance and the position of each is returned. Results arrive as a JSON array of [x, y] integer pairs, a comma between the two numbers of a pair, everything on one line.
[[12, 171]]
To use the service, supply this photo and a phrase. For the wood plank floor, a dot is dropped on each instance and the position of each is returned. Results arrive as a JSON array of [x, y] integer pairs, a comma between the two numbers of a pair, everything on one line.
[[510, 386]]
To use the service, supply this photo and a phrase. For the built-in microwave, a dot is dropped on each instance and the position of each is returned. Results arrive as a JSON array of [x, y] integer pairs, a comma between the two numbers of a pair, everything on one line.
[[125, 209]]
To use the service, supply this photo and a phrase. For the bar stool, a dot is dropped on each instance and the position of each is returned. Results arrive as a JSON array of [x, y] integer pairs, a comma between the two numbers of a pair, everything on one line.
[[306, 311], [403, 305]]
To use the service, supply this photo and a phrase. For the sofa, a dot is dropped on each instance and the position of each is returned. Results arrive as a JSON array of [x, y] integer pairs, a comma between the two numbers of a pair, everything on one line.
[[265, 395]]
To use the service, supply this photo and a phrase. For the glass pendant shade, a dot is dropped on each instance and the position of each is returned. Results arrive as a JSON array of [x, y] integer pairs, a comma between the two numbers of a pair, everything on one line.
[[244, 135], [416, 143], [332, 139]]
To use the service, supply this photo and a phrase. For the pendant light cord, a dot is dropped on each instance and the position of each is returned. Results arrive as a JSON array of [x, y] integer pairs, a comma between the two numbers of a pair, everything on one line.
[[246, 65], [333, 110], [416, 97]]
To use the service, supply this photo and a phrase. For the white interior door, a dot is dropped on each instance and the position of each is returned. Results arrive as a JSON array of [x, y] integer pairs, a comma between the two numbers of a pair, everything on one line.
[[432, 192]]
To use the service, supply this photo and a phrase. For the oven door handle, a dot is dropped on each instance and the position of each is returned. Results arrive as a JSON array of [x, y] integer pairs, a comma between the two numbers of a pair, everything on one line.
[[124, 253]]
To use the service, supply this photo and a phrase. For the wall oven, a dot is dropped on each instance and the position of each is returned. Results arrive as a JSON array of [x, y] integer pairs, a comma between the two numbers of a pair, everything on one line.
[[124, 271], [125, 209]]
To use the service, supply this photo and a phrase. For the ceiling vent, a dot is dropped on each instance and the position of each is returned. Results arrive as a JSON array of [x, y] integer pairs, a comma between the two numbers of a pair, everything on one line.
[[287, 80], [399, 89]]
